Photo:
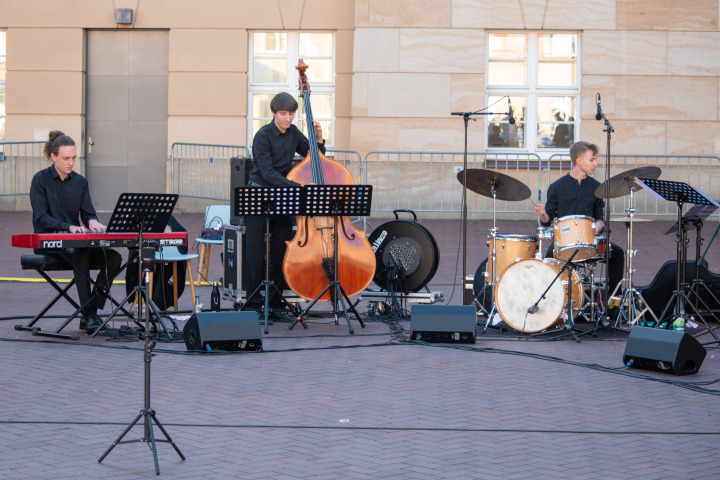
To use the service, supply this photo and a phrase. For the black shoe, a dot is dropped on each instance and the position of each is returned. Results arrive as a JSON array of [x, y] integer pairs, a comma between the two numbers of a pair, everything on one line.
[[261, 317], [280, 317], [83, 322], [93, 322]]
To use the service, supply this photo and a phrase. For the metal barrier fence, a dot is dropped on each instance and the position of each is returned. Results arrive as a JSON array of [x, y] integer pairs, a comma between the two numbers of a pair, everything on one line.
[[19, 161], [203, 171], [699, 171], [420, 181], [427, 181]]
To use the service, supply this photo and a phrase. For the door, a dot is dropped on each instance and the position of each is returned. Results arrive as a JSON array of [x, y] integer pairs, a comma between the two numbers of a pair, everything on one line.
[[126, 113]]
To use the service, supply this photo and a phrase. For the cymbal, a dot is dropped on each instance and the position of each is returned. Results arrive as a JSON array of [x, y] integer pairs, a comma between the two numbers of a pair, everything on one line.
[[506, 187], [618, 185]]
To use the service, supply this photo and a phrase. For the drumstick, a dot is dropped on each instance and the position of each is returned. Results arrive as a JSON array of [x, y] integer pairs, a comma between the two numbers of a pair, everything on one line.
[[534, 202]]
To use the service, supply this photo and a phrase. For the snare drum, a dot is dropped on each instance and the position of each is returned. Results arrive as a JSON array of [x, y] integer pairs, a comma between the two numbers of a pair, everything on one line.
[[509, 247], [523, 283], [571, 233]]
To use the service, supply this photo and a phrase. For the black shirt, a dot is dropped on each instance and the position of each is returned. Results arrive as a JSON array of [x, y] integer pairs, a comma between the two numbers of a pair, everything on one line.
[[58, 204], [273, 153], [566, 196]]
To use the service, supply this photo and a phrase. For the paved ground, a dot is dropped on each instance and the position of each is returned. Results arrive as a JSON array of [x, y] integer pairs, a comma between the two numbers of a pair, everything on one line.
[[323, 404]]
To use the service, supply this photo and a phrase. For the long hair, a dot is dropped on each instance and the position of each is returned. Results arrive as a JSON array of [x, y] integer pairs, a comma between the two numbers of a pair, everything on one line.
[[55, 140]]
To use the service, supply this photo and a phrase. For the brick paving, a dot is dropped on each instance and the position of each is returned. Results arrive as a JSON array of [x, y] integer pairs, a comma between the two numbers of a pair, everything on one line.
[[323, 404]]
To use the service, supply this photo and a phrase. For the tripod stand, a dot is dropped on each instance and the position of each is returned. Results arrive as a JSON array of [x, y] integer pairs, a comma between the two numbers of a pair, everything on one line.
[[699, 283], [336, 201], [680, 193], [631, 296], [147, 413], [267, 201]]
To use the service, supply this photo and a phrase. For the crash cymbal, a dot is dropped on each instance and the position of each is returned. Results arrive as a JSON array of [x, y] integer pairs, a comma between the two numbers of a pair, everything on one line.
[[619, 184], [506, 187]]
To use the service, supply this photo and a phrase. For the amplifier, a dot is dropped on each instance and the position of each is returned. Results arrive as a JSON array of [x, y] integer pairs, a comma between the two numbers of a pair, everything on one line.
[[239, 175]]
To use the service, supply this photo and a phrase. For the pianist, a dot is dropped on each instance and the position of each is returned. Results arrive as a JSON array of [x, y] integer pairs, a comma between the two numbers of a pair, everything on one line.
[[61, 202]]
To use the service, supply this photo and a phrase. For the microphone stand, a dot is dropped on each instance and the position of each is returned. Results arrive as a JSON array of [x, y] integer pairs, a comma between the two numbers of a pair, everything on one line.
[[466, 118], [535, 306], [608, 130]]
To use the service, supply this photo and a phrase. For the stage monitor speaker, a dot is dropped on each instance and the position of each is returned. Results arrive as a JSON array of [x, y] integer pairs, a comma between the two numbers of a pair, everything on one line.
[[663, 351], [239, 176], [230, 331], [443, 323]]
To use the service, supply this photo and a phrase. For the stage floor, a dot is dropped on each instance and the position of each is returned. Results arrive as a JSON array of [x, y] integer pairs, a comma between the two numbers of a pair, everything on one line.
[[323, 404]]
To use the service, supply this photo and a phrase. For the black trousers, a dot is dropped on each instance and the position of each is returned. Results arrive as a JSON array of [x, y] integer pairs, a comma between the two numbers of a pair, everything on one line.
[[281, 230], [107, 260]]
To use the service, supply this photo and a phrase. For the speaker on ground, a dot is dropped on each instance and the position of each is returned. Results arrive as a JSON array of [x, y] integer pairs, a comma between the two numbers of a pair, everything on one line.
[[663, 351], [230, 331], [443, 323]]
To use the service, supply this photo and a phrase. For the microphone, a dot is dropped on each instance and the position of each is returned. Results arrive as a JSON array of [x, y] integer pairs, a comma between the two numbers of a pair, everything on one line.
[[512, 119], [599, 114], [533, 309]]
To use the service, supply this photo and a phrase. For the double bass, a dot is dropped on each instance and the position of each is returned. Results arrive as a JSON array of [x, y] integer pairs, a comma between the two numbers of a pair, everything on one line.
[[308, 264]]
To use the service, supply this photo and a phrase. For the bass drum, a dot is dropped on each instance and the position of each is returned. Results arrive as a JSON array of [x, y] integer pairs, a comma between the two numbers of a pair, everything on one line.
[[408, 245]]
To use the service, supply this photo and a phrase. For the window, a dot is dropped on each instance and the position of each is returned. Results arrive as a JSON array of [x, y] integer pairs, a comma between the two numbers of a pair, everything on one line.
[[273, 58], [539, 74], [3, 70]]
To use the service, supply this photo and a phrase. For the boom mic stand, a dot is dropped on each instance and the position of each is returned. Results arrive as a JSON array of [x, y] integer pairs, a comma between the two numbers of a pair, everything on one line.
[[571, 317], [608, 131], [466, 118], [147, 413]]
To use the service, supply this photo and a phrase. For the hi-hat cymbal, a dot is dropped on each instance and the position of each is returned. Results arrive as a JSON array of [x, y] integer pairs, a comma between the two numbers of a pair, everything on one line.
[[506, 187], [619, 185]]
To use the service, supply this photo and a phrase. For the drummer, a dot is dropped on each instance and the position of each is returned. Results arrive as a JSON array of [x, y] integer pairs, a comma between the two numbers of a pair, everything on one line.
[[574, 194]]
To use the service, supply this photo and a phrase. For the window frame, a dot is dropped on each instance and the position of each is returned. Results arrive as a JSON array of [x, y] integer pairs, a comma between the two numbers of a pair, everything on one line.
[[532, 92], [291, 85], [3, 112]]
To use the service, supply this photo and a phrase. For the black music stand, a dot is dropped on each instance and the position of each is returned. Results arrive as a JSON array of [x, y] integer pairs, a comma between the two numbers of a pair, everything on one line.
[[267, 201], [336, 201], [680, 193], [140, 211]]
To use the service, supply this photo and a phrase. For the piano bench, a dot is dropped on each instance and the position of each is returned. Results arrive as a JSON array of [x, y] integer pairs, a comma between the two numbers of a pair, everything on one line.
[[42, 264]]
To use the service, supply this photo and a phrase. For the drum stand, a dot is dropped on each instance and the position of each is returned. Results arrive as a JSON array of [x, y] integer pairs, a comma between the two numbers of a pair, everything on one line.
[[596, 315], [631, 297], [491, 261]]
